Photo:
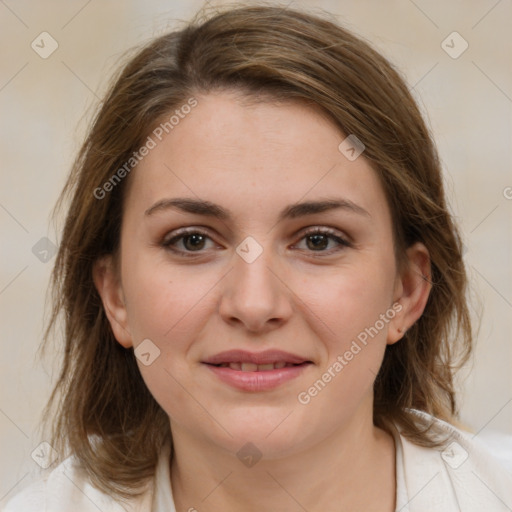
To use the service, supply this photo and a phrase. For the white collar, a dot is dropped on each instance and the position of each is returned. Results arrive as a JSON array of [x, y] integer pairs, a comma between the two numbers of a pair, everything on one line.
[[427, 479], [162, 497]]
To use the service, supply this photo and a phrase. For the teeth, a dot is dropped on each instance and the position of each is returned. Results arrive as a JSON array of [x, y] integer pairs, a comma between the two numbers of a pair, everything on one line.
[[252, 367], [249, 367]]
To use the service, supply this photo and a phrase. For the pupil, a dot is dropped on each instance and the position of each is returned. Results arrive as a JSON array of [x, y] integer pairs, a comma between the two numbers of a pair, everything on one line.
[[198, 240], [319, 241]]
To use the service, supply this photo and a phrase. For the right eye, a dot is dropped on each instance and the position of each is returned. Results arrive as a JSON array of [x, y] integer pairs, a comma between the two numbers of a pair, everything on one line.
[[191, 240]]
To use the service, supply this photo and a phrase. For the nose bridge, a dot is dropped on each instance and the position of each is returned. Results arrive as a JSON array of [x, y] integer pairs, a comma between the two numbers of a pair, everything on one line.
[[252, 262], [253, 294]]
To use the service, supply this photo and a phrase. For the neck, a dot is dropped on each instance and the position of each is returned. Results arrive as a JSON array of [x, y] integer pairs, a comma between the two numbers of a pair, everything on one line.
[[352, 469]]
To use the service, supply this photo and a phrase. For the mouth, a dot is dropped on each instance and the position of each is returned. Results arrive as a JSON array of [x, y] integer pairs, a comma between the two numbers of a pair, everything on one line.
[[256, 372], [253, 367], [251, 361]]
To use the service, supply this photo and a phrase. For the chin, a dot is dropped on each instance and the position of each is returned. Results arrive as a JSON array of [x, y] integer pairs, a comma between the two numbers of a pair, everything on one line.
[[267, 432]]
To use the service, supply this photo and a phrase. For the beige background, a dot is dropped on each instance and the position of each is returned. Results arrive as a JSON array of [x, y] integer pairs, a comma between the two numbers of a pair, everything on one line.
[[45, 103]]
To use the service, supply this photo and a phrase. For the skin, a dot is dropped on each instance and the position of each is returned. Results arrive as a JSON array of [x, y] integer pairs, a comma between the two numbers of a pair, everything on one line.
[[255, 160]]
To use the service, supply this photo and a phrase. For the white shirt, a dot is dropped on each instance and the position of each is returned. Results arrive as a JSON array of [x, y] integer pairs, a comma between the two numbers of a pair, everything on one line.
[[463, 477]]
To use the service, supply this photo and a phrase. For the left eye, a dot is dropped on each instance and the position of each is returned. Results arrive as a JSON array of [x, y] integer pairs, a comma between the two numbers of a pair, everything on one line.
[[317, 240]]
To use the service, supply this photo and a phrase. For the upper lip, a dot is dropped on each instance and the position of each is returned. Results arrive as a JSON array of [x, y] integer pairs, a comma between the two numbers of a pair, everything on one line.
[[266, 357]]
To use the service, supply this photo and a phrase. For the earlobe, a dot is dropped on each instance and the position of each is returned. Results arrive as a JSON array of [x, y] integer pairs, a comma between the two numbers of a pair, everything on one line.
[[412, 291], [111, 293]]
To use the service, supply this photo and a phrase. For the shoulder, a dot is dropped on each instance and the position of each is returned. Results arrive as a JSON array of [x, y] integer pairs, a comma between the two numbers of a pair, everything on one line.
[[461, 472], [67, 487]]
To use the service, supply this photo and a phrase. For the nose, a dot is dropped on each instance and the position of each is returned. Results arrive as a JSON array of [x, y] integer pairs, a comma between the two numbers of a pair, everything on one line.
[[255, 295]]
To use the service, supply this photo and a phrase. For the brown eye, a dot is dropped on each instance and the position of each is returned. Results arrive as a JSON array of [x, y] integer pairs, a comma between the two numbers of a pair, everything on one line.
[[317, 240], [195, 241], [186, 242]]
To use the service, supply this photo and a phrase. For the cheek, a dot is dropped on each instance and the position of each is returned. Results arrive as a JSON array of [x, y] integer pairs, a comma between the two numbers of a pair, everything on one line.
[[167, 306], [356, 307], [353, 299], [162, 298]]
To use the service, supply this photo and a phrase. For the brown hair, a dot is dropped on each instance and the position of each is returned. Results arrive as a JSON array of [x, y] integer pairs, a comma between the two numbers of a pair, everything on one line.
[[106, 416]]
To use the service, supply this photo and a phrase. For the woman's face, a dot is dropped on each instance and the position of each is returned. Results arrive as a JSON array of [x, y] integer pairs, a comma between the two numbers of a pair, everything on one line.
[[312, 288]]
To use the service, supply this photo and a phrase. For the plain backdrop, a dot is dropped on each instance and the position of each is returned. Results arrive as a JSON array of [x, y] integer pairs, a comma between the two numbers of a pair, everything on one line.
[[45, 104]]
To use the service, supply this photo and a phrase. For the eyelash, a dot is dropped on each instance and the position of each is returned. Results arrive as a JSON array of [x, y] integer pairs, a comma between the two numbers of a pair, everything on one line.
[[331, 234]]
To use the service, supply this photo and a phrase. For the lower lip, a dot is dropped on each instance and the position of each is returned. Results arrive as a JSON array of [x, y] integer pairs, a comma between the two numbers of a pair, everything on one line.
[[257, 381]]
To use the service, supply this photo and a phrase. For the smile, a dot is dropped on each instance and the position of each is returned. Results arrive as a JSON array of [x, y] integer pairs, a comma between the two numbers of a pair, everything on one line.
[[256, 378], [253, 367]]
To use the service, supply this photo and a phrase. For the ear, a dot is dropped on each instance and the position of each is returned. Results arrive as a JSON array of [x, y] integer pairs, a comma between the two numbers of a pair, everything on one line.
[[109, 288], [412, 289]]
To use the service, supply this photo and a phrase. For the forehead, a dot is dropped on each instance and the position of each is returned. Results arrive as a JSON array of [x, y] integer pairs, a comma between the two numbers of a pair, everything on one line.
[[252, 155]]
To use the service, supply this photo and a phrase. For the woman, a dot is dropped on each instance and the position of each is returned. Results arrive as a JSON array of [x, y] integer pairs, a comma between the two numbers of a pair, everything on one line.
[[263, 290]]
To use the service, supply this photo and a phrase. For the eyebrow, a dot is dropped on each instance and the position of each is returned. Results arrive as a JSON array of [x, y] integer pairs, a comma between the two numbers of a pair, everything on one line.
[[293, 211]]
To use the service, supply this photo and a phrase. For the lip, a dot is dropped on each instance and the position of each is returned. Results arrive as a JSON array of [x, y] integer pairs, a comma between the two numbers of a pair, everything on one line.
[[256, 381], [266, 357]]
